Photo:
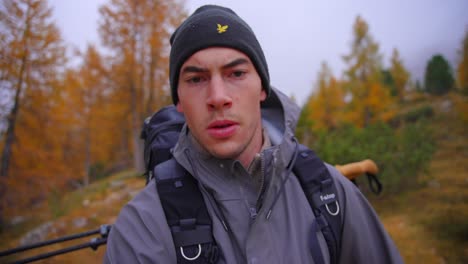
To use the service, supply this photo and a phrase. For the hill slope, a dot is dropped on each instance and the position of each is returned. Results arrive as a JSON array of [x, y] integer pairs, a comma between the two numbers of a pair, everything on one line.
[[429, 224]]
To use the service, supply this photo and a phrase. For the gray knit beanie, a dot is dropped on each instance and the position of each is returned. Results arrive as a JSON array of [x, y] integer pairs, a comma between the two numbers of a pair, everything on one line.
[[214, 26]]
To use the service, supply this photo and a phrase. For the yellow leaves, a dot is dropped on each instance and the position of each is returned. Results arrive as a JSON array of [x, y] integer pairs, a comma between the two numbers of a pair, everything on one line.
[[462, 75], [399, 73], [370, 99], [325, 107], [461, 107], [360, 30], [379, 102], [138, 32], [371, 102], [361, 98], [35, 55], [72, 119]]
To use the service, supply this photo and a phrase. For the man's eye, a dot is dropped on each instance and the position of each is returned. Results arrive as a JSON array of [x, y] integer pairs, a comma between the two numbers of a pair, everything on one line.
[[238, 73], [195, 80]]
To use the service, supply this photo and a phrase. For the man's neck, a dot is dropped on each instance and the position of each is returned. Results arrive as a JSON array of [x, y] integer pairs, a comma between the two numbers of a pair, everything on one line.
[[264, 142]]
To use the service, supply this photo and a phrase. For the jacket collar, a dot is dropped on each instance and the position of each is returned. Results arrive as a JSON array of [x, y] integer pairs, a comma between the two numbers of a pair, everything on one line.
[[279, 118]]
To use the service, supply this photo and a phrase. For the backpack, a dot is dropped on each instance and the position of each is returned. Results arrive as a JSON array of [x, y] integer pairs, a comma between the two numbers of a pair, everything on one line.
[[160, 133], [190, 223]]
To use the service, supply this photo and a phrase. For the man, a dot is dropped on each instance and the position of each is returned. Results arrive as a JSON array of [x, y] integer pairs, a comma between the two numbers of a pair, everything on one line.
[[220, 82]]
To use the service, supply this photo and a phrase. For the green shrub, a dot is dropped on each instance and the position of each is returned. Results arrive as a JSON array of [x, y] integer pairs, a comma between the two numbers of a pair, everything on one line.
[[55, 203], [414, 115], [400, 154]]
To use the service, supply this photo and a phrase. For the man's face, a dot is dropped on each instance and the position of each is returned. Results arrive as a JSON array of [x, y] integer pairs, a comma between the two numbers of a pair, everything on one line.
[[220, 93]]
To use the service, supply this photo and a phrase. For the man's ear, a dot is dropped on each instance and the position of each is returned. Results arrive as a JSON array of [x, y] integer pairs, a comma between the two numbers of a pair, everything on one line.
[[263, 95], [179, 107]]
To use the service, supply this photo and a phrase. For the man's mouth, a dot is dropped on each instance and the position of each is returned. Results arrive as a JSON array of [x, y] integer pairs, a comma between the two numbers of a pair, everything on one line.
[[221, 129]]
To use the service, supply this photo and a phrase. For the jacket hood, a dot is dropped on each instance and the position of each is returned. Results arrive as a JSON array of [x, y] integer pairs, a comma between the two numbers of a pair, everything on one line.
[[279, 116]]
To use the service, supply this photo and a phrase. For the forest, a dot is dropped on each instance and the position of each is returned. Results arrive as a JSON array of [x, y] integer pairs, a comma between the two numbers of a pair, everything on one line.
[[64, 128]]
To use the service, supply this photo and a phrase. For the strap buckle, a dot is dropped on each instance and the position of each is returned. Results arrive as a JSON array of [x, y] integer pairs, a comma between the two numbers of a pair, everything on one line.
[[191, 258], [337, 209]]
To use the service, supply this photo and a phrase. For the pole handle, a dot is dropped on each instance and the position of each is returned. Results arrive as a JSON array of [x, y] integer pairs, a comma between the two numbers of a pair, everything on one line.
[[355, 169]]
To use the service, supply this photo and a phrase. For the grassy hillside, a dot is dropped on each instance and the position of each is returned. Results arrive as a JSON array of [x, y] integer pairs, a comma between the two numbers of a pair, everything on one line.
[[77, 212], [428, 223]]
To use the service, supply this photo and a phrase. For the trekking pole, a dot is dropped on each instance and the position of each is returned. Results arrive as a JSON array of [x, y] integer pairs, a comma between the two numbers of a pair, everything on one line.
[[367, 167], [353, 170], [94, 244]]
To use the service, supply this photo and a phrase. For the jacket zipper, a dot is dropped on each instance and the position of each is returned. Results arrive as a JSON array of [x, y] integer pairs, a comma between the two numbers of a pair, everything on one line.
[[262, 184]]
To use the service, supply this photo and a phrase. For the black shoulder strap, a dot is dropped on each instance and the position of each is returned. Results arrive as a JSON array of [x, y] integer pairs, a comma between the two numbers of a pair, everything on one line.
[[190, 223], [321, 193], [186, 214]]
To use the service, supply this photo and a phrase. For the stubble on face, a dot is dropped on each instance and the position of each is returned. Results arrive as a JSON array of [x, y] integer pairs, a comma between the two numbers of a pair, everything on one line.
[[220, 93]]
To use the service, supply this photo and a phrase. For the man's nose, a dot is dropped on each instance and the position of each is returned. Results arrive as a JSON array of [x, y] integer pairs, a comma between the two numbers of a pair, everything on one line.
[[218, 95]]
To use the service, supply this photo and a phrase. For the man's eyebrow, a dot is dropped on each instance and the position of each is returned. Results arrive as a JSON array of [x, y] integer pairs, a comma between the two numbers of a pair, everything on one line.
[[231, 64], [236, 62], [193, 69]]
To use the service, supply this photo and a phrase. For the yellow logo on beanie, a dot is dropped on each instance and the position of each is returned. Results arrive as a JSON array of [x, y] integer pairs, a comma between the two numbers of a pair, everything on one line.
[[222, 29]]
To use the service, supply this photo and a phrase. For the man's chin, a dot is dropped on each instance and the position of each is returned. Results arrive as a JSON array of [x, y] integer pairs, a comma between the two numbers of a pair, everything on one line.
[[220, 152]]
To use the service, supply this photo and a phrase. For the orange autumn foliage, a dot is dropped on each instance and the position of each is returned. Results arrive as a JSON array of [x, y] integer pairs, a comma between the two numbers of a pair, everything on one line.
[[325, 106], [32, 56], [369, 100], [63, 126], [399, 74], [137, 33]]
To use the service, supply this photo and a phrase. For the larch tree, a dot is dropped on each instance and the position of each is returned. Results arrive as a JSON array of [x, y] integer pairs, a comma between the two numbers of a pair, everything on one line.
[[326, 104], [100, 122], [369, 100], [85, 108], [31, 57], [137, 34], [400, 75], [33, 50], [462, 69]]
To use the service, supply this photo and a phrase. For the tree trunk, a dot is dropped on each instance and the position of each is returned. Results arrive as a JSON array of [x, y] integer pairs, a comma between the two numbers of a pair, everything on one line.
[[138, 155], [6, 154], [2, 216], [138, 162], [87, 164], [10, 134], [9, 139]]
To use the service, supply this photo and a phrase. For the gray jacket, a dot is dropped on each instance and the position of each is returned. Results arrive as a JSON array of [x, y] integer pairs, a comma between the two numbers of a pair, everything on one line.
[[141, 233]]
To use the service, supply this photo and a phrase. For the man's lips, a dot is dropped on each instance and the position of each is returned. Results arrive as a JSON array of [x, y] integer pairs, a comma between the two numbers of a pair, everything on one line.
[[220, 129]]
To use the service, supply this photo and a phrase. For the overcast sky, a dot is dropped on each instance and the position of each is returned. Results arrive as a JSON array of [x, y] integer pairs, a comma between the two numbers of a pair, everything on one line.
[[297, 35]]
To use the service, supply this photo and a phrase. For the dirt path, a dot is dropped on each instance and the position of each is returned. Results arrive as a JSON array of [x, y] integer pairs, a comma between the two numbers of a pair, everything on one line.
[[416, 245]]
